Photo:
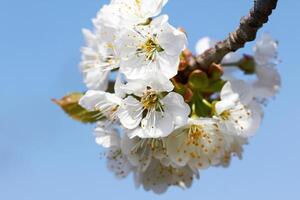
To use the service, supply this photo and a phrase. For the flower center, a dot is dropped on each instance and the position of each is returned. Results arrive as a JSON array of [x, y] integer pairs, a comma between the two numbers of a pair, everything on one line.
[[225, 115], [150, 100], [150, 48], [196, 132]]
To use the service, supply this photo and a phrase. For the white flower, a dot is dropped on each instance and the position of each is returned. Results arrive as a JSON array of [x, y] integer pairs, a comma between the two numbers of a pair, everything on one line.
[[154, 47], [158, 178], [127, 13], [234, 117], [106, 135], [107, 103], [201, 144], [268, 79], [157, 111], [98, 58]]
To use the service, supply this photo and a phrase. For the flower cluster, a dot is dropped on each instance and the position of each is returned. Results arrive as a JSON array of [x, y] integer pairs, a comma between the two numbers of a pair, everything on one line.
[[155, 124]]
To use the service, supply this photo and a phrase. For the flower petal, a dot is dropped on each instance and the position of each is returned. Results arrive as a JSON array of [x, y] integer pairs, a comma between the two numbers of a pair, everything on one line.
[[130, 112]]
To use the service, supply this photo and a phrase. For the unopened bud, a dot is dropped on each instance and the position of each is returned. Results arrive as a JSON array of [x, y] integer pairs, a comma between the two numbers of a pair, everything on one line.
[[184, 59], [198, 80], [215, 72], [184, 91], [247, 64]]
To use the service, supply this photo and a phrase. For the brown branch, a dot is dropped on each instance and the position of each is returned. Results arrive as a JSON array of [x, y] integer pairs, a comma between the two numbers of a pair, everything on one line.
[[246, 32]]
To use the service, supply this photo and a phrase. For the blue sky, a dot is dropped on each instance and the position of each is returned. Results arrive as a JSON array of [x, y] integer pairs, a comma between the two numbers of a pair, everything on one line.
[[45, 155]]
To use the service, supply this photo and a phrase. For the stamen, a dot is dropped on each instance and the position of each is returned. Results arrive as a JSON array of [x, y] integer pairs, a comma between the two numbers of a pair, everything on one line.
[[225, 115], [149, 49]]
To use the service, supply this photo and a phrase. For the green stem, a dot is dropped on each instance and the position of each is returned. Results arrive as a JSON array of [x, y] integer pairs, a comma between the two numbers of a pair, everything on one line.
[[232, 64], [207, 103]]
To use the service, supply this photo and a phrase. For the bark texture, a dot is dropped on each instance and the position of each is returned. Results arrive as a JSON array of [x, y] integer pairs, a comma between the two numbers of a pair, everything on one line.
[[246, 32]]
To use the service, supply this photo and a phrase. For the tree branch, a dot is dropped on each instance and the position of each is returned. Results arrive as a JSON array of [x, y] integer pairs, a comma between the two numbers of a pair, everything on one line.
[[246, 32]]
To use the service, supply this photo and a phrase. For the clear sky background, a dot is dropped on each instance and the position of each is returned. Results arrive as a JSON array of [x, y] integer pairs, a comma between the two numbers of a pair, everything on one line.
[[44, 155]]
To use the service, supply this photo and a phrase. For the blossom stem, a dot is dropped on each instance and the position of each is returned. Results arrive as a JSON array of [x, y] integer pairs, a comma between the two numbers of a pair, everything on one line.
[[208, 104]]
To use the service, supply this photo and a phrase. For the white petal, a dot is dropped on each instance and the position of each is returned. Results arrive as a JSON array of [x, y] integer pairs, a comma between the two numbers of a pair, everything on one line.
[[171, 40], [256, 117], [157, 125], [130, 112], [228, 99], [96, 79], [268, 83], [138, 132], [228, 94], [244, 91], [101, 101], [106, 135], [90, 99], [265, 49], [136, 67], [119, 86], [204, 44], [139, 160], [168, 64], [174, 143], [175, 105], [158, 82], [152, 8], [153, 80]]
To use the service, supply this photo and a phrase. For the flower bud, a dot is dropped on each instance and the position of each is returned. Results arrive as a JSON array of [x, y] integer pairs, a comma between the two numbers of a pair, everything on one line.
[[215, 72], [198, 80], [247, 64], [184, 91]]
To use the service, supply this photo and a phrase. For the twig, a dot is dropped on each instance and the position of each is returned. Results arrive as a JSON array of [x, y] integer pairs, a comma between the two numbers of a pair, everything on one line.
[[246, 32]]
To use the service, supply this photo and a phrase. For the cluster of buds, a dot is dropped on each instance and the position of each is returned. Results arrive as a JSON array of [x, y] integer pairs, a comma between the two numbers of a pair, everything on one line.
[[159, 117]]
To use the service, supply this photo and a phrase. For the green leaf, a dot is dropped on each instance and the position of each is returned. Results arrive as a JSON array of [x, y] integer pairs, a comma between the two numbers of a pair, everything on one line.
[[69, 104]]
